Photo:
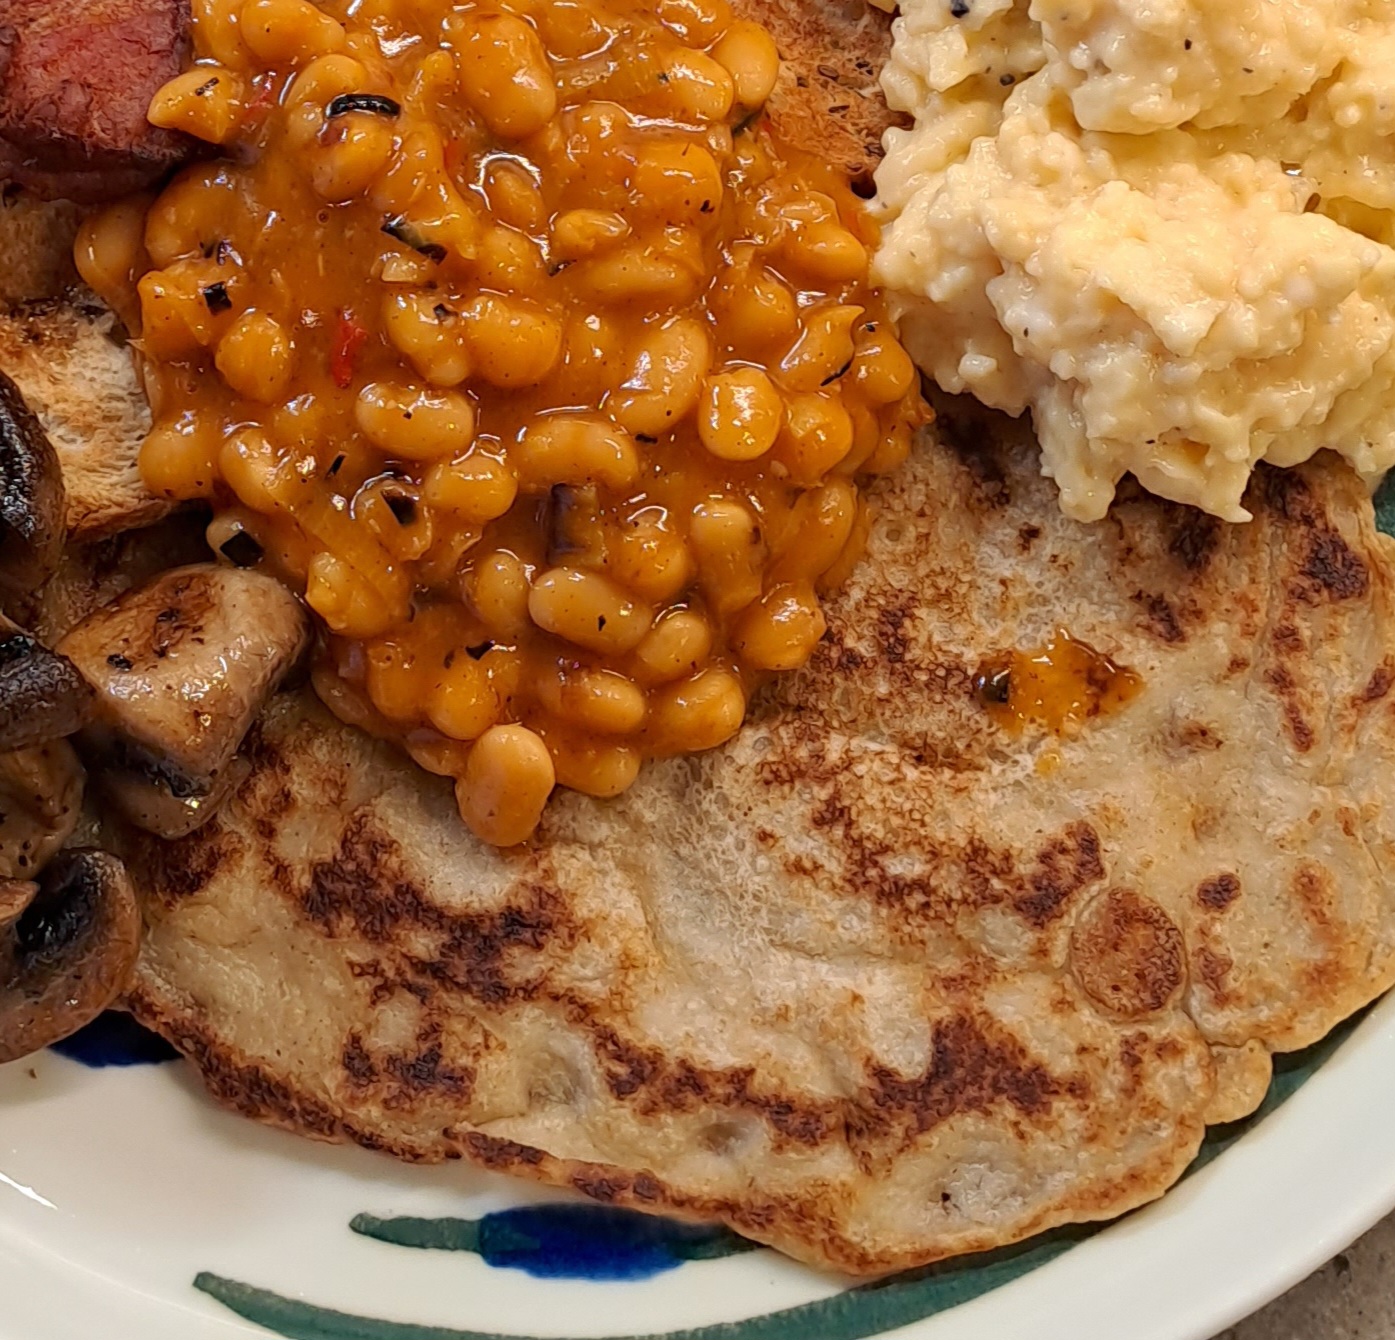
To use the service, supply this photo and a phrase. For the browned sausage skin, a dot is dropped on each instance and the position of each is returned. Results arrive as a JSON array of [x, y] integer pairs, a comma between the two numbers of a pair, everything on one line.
[[76, 78]]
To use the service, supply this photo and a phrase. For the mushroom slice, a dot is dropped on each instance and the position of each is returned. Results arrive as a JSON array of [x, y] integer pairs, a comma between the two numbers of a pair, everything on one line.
[[42, 696], [161, 800], [182, 666], [69, 954], [32, 501], [40, 803]]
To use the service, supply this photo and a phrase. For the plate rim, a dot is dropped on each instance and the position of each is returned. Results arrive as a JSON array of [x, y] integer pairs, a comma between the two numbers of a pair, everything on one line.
[[1276, 1205]]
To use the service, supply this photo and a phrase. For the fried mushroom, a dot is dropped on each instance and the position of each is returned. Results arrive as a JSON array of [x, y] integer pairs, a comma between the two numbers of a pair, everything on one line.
[[32, 500], [40, 801], [182, 666], [67, 950], [42, 695]]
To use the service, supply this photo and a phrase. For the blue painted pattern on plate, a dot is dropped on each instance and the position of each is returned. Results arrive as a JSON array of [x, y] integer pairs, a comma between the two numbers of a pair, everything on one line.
[[114, 1038], [565, 1241]]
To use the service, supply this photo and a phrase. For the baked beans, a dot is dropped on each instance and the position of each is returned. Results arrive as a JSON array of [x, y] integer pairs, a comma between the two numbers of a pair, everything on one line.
[[516, 342]]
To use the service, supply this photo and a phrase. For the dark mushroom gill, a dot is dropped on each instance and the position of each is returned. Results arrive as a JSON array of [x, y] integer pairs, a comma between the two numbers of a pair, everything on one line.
[[42, 695], [32, 497], [69, 953]]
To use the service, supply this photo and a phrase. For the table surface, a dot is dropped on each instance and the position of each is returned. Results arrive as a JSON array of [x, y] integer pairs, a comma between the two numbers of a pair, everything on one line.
[[1351, 1298]]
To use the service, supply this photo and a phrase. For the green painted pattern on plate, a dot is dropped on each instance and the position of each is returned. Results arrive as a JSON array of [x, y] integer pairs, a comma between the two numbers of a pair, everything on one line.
[[853, 1315], [856, 1314], [1385, 505], [440, 1235]]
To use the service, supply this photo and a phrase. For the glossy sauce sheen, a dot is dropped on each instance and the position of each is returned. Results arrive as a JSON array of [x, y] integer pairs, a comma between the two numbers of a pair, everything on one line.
[[510, 337], [1059, 685]]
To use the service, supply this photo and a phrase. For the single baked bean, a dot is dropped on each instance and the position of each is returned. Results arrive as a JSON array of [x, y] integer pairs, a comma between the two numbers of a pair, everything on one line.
[[748, 53], [696, 714], [505, 74], [569, 449], [781, 629], [414, 423], [740, 415], [508, 778], [588, 610]]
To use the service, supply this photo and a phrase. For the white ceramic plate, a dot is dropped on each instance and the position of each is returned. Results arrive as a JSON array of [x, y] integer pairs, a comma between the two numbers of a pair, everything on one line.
[[123, 1190]]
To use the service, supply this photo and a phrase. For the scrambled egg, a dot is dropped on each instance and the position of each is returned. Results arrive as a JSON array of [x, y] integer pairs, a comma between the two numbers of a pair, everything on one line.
[[1163, 226]]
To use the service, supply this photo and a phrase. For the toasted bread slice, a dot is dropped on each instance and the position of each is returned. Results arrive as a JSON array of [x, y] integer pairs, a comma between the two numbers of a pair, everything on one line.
[[68, 355], [827, 98], [70, 361], [36, 247]]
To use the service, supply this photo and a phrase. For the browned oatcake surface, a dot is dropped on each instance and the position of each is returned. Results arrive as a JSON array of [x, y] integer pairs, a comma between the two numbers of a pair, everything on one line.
[[877, 982]]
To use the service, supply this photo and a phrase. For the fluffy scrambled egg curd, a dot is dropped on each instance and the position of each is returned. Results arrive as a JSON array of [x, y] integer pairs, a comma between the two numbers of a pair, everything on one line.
[[1165, 229]]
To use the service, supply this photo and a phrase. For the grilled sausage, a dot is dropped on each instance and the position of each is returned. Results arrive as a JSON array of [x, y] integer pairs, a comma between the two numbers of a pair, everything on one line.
[[76, 79]]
